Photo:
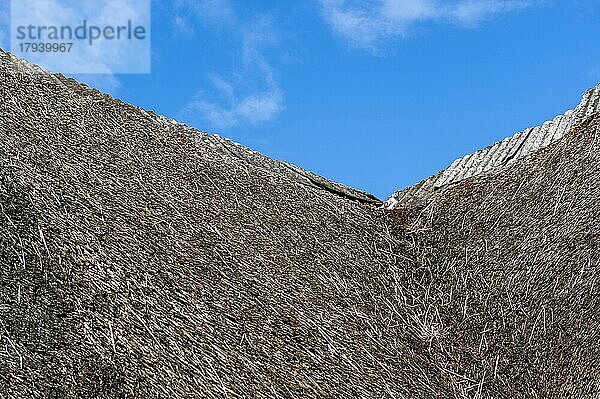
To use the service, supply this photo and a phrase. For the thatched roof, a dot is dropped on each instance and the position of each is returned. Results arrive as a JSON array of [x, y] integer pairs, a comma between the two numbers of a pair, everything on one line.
[[140, 258]]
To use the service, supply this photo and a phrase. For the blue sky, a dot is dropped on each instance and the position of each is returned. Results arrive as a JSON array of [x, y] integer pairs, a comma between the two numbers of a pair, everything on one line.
[[376, 94]]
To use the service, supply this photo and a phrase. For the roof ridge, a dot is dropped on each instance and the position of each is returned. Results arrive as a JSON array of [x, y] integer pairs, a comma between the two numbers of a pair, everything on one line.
[[233, 148], [501, 154]]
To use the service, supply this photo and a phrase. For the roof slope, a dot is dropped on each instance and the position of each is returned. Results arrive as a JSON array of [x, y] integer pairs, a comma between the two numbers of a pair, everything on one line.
[[244, 154], [514, 263], [139, 258]]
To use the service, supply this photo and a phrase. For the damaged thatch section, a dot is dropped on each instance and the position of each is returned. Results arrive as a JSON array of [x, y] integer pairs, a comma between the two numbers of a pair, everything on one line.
[[140, 259]]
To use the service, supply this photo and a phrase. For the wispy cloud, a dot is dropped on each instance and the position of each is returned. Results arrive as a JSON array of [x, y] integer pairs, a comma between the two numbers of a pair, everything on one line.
[[210, 13], [250, 94], [364, 23], [469, 12], [229, 109], [183, 25]]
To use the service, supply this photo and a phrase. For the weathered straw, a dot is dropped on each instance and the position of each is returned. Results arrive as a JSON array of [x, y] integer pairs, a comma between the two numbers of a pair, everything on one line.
[[142, 259]]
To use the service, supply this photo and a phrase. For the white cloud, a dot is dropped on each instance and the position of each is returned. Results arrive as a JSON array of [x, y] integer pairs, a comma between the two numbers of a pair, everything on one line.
[[261, 107], [474, 11], [250, 94], [253, 108], [183, 25], [211, 13], [364, 23]]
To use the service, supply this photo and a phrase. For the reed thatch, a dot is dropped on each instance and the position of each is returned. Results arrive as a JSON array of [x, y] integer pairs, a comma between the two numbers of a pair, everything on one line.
[[143, 259]]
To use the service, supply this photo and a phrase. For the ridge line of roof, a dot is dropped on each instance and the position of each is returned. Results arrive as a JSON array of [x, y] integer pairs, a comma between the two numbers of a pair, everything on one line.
[[242, 152], [501, 154]]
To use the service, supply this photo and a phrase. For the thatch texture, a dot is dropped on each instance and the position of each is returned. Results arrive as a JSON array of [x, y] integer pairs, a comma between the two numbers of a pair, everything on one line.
[[140, 258], [514, 261]]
